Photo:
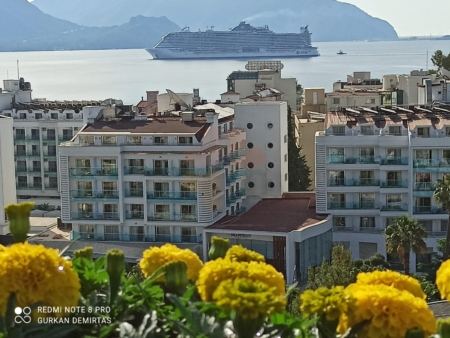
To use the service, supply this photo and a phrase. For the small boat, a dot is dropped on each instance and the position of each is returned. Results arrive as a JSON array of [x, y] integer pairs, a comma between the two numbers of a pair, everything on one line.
[[341, 53]]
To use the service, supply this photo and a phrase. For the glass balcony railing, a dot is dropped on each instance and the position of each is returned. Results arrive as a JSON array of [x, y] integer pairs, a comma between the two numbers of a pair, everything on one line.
[[159, 216], [93, 171], [134, 170], [134, 215], [187, 239], [428, 210], [49, 154], [32, 186], [164, 238], [88, 194], [183, 217], [394, 161], [424, 186], [34, 169], [134, 193], [20, 153], [137, 238], [111, 237], [226, 160], [157, 172], [21, 170], [394, 184], [181, 195], [394, 206], [51, 186], [361, 205], [19, 137], [49, 138], [335, 182], [95, 215], [198, 172]]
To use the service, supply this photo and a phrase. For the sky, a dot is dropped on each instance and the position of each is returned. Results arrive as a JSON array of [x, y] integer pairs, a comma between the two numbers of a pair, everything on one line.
[[410, 17]]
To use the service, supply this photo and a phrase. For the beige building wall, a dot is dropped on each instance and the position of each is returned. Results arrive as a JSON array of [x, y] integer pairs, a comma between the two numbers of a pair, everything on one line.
[[306, 139], [314, 101], [352, 100]]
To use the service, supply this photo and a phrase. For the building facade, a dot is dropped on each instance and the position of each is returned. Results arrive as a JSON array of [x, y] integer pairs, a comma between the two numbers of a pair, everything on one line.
[[374, 167], [160, 179]]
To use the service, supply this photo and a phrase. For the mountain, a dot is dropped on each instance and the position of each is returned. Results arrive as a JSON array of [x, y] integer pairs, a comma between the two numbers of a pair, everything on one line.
[[329, 20], [24, 27]]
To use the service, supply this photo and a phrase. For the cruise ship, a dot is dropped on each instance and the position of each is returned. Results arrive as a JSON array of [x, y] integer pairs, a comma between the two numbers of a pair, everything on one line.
[[241, 42]]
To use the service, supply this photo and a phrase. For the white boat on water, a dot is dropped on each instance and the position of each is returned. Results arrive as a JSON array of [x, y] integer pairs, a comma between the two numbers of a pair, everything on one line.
[[243, 41]]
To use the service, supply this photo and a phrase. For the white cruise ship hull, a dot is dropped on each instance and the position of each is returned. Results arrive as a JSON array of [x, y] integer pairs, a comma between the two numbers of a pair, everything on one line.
[[168, 54]]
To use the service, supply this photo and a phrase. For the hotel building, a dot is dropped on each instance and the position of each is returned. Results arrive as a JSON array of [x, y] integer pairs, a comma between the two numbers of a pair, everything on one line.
[[375, 166]]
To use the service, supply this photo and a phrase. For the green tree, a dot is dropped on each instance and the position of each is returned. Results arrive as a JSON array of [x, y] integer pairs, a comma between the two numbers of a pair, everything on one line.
[[440, 60], [402, 236], [442, 196], [299, 171]]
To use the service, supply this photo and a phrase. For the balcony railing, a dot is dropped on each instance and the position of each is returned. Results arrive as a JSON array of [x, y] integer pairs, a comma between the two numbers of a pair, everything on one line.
[[394, 161], [428, 210], [184, 217], [341, 159], [36, 186], [198, 172], [49, 154], [429, 163], [394, 184], [226, 159], [34, 153], [394, 206], [88, 194], [354, 206], [34, 169], [51, 186], [164, 238], [22, 153], [134, 215], [93, 171], [138, 170], [187, 238], [51, 170], [424, 186], [49, 138], [361, 182], [367, 230], [181, 195], [134, 193], [95, 215], [19, 137], [21, 170]]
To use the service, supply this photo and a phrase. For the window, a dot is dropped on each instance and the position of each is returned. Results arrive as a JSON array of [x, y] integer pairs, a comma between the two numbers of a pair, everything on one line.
[[22, 181], [423, 132], [428, 225], [36, 166], [23, 116], [87, 140], [367, 201], [52, 166], [367, 177], [160, 140], [422, 205], [112, 233], [424, 260], [270, 145], [69, 116], [135, 166], [250, 145], [109, 188], [270, 185], [336, 178], [270, 125], [37, 182], [136, 189], [444, 226], [109, 139], [187, 167], [35, 134], [161, 190], [51, 150], [446, 155], [20, 134], [21, 166], [185, 140], [137, 234], [109, 167], [136, 211], [20, 150], [188, 213], [53, 182], [423, 182], [366, 130], [251, 185], [395, 130], [67, 134], [270, 165], [338, 221], [161, 167], [250, 165], [87, 231], [162, 234], [134, 139], [367, 222], [110, 211], [162, 212], [394, 179], [83, 163], [394, 202], [336, 100], [285, 158], [249, 125], [188, 190], [38, 116], [338, 130], [337, 201], [54, 116], [447, 132]]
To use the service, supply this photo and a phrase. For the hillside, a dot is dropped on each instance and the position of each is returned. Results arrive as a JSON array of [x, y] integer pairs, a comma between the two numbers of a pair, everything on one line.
[[25, 27], [328, 20]]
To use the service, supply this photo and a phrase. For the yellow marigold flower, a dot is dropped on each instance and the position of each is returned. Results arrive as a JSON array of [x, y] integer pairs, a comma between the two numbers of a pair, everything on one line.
[[443, 279], [214, 272], [238, 253], [156, 257], [392, 278], [249, 298], [37, 274], [390, 312], [327, 303]]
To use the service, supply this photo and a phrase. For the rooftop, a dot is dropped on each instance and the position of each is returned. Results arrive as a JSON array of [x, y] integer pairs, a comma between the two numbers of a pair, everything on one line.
[[291, 213], [243, 75]]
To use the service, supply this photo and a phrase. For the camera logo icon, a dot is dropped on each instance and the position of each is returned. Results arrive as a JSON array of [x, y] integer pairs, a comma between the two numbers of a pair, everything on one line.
[[23, 315]]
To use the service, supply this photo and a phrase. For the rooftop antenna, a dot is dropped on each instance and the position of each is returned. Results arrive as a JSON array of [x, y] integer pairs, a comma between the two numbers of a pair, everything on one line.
[[178, 100], [18, 77], [427, 61]]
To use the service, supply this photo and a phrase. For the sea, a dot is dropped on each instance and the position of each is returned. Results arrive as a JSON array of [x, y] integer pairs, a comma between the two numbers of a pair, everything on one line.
[[127, 74]]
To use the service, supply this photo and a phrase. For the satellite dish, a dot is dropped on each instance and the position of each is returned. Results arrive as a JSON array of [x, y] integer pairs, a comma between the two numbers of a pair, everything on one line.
[[178, 100]]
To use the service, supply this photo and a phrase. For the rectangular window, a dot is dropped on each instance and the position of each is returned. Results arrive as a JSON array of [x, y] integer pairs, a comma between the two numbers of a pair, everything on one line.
[[137, 234], [109, 139], [422, 205], [162, 234], [161, 167], [367, 155], [51, 151], [185, 140], [367, 222], [67, 134], [161, 190], [336, 178], [336, 100], [423, 182], [21, 166], [447, 131], [285, 157], [136, 189], [54, 116], [38, 116], [22, 181], [366, 130], [187, 167], [394, 202], [423, 132], [337, 201], [338, 130], [110, 211], [136, 211], [20, 150], [339, 221], [53, 182], [162, 212], [87, 140], [161, 140], [367, 177], [52, 167], [134, 139], [428, 225], [109, 166], [188, 213], [394, 179], [69, 116], [337, 155], [35, 134], [367, 201], [395, 130], [109, 188], [444, 225], [188, 190], [112, 233]]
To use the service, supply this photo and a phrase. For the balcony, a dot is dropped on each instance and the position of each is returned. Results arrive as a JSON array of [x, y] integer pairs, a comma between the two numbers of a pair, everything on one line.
[[49, 138], [424, 186], [367, 230], [239, 211], [50, 155], [134, 170], [429, 165], [34, 153], [134, 215], [36, 186], [110, 237], [51, 187], [94, 195], [92, 172], [428, 210], [341, 159], [134, 193], [65, 137], [172, 217], [394, 206], [239, 193], [34, 170], [197, 172], [394, 161], [51, 171], [364, 205], [114, 216], [394, 184], [20, 153], [167, 195], [226, 160], [21, 170], [187, 238], [164, 238], [237, 155], [19, 137], [336, 182]]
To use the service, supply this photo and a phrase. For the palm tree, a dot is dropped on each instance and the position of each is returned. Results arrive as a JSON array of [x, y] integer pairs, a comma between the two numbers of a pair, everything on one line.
[[402, 236], [442, 196]]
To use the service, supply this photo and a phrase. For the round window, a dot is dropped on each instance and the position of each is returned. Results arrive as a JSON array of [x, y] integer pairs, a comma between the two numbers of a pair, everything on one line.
[[250, 165], [270, 125], [270, 165], [271, 185], [251, 185], [249, 145], [249, 125], [270, 145]]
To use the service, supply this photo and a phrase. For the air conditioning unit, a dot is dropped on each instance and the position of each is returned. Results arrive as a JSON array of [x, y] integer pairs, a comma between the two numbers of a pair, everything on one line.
[[44, 129]]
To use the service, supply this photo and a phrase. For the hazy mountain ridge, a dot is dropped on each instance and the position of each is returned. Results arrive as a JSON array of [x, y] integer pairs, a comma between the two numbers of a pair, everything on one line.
[[328, 20], [24, 27]]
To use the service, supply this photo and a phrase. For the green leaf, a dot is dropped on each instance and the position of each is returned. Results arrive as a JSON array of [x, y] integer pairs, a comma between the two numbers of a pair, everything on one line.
[[100, 263]]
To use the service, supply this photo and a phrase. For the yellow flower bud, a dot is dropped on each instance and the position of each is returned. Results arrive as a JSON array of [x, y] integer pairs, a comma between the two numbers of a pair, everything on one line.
[[176, 277], [115, 265], [415, 333], [87, 253], [219, 247], [443, 327], [19, 220]]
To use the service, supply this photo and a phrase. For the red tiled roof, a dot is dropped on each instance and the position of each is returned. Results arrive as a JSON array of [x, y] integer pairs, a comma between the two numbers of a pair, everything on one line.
[[142, 104], [274, 215]]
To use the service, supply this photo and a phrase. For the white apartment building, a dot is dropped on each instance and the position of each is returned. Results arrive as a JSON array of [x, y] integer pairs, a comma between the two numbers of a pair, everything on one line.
[[14, 91], [7, 186], [375, 166], [160, 179], [265, 124], [431, 91]]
